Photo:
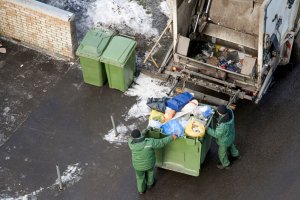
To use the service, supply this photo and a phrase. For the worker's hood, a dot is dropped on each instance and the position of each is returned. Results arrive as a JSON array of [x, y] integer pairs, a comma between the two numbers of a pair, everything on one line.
[[137, 144], [227, 119], [138, 140]]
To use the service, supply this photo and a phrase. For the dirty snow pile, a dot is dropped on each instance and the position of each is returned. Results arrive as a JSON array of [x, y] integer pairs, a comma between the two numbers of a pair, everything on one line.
[[125, 16], [144, 87], [30, 196], [164, 8], [71, 175], [122, 134], [7, 115], [122, 15], [7, 120]]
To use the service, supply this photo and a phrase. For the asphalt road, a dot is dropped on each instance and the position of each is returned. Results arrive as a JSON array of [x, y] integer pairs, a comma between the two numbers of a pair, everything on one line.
[[67, 123]]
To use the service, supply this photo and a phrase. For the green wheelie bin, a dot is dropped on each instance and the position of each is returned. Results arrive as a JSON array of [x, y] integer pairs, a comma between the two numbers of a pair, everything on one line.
[[184, 155], [119, 59], [89, 51]]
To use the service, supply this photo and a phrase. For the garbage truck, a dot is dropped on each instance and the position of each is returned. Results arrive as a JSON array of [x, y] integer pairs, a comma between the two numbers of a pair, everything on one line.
[[231, 47]]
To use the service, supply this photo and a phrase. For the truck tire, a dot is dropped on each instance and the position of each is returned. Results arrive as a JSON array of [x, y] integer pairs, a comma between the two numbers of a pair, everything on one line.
[[295, 56]]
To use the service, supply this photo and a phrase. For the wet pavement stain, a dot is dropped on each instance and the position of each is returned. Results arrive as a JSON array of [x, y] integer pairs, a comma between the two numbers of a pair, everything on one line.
[[25, 76]]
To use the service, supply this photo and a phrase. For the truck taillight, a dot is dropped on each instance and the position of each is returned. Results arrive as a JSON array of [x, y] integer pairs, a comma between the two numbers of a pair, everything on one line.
[[288, 44]]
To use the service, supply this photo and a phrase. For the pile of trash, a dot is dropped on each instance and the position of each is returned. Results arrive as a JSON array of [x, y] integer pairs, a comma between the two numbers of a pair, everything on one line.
[[181, 115], [225, 58]]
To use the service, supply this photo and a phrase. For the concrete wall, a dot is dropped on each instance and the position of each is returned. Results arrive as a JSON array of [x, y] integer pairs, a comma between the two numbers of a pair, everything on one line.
[[39, 25]]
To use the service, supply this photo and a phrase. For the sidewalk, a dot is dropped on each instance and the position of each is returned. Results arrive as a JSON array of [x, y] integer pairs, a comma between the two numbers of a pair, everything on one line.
[[49, 116], [26, 78]]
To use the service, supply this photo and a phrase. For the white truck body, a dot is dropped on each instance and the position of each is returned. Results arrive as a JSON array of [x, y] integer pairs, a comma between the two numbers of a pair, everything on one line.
[[264, 29]]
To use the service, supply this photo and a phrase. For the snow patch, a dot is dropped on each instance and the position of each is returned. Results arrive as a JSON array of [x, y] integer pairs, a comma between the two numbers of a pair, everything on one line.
[[123, 134], [31, 196], [145, 87], [71, 175], [138, 110], [125, 16], [122, 15], [164, 8], [78, 86], [5, 111], [29, 96], [12, 119]]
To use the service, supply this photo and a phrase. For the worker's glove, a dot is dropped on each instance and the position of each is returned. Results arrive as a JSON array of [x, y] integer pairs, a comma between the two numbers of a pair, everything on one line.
[[144, 132], [148, 129], [174, 137]]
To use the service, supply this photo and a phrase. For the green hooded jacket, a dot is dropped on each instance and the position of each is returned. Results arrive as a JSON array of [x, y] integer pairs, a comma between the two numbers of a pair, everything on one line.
[[142, 150], [224, 132]]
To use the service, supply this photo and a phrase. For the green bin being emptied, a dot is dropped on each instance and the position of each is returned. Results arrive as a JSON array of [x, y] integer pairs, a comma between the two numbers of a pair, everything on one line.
[[119, 59], [90, 50], [185, 155]]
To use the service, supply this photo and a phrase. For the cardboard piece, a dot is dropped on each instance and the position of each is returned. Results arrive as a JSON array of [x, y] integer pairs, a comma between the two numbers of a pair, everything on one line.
[[248, 67], [183, 45]]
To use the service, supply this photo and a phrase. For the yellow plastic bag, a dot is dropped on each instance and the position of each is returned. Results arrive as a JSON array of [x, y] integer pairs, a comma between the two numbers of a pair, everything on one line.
[[195, 129], [157, 116]]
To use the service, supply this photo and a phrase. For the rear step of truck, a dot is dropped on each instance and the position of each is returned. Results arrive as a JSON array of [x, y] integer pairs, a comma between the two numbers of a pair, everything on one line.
[[205, 98], [212, 100]]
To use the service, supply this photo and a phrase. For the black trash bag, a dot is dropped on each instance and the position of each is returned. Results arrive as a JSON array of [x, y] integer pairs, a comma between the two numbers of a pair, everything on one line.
[[158, 104]]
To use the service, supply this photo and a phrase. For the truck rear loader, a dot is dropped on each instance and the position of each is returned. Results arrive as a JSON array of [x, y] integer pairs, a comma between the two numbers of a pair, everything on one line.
[[259, 34]]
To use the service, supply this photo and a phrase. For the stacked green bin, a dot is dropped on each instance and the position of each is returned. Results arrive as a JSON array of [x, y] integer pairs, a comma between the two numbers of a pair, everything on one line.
[[119, 59], [90, 50], [184, 155]]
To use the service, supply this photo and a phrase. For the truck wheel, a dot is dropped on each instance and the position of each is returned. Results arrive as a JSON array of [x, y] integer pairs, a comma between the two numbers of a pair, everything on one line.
[[295, 56]]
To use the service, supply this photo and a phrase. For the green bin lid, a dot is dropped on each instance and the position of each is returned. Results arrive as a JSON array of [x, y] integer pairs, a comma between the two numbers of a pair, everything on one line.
[[94, 43], [118, 51]]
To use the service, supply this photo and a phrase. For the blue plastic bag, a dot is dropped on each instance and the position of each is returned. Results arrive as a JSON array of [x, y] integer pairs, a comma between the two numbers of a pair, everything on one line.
[[173, 127], [206, 111], [179, 101]]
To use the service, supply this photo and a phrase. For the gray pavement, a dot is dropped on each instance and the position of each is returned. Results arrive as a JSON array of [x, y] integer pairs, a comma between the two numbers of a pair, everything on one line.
[[66, 123]]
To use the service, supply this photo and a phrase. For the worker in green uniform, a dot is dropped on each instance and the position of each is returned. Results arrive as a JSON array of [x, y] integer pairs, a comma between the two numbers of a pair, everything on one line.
[[143, 157], [225, 136]]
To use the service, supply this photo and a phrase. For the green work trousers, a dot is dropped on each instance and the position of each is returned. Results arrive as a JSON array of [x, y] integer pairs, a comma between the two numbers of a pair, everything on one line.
[[223, 154], [144, 179]]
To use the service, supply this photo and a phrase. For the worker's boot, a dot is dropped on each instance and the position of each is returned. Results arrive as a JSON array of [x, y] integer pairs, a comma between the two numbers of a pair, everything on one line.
[[223, 167], [149, 187], [239, 157], [143, 191]]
